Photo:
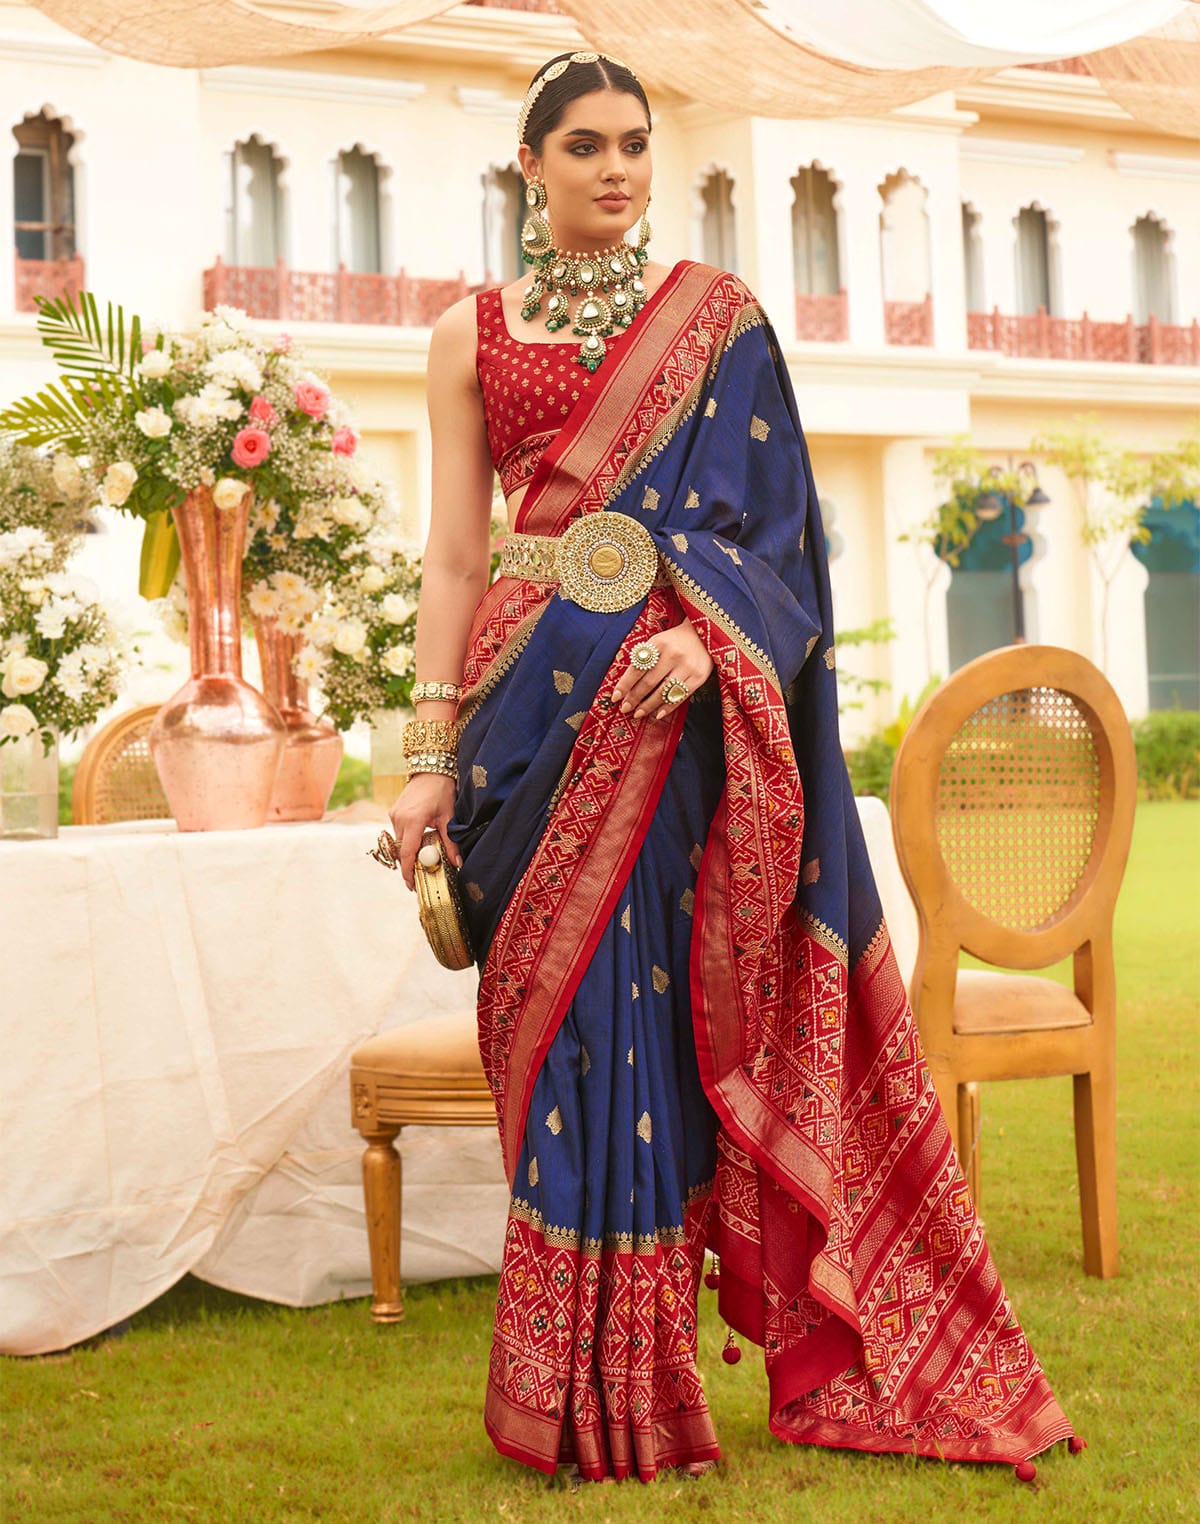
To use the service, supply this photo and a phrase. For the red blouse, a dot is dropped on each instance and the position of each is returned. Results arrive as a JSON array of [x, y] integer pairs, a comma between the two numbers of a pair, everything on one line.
[[528, 390]]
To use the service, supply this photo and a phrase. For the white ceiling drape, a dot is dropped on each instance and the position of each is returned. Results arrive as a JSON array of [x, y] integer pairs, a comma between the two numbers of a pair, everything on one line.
[[799, 58]]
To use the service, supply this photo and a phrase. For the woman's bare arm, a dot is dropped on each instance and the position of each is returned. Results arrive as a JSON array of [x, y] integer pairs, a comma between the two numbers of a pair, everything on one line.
[[454, 571]]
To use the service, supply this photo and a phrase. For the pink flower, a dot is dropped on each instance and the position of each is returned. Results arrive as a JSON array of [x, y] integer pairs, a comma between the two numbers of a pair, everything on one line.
[[251, 448], [345, 441], [283, 344], [312, 399], [262, 411]]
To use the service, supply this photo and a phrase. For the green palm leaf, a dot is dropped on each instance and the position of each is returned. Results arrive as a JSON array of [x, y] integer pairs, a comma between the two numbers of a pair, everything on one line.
[[86, 346], [57, 415]]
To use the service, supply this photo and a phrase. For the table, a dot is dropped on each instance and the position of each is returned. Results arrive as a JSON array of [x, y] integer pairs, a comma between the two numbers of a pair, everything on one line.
[[179, 1011]]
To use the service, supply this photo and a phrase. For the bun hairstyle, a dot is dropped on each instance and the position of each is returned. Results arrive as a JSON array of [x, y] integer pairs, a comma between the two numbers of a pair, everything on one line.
[[578, 79]]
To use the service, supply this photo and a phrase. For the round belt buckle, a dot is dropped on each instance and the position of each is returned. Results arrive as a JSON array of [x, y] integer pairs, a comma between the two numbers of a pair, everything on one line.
[[606, 561]]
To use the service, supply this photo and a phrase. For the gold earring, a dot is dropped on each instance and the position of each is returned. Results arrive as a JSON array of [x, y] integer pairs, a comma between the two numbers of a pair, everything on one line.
[[644, 229], [536, 237]]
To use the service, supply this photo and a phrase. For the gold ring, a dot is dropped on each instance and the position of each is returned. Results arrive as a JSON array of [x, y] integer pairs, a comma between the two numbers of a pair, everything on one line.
[[675, 691], [644, 655]]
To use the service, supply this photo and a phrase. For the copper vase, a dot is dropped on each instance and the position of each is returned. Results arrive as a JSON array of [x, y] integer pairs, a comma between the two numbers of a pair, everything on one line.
[[312, 751], [217, 742]]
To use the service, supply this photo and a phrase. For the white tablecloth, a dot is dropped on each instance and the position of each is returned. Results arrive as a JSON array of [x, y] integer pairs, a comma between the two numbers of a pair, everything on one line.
[[178, 1013]]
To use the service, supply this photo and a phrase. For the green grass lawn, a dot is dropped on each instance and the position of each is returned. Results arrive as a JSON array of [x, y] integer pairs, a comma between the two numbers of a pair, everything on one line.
[[217, 1408]]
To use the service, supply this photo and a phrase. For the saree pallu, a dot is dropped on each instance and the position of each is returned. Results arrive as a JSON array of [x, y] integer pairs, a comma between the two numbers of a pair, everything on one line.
[[690, 1014]]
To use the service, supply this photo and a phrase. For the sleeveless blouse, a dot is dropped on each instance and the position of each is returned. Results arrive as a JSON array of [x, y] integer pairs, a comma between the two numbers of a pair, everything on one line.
[[528, 390]]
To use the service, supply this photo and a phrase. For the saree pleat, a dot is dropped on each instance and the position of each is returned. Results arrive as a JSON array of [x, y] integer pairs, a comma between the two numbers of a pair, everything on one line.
[[690, 1013]]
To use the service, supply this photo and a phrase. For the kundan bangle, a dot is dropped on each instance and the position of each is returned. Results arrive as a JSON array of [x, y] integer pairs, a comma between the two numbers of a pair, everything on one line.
[[429, 735], [436, 691], [445, 762]]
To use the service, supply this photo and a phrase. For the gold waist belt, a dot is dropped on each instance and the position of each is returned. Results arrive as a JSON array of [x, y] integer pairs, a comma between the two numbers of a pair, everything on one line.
[[603, 561]]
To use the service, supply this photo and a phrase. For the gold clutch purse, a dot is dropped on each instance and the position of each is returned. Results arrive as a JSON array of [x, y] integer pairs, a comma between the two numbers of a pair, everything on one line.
[[438, 903]]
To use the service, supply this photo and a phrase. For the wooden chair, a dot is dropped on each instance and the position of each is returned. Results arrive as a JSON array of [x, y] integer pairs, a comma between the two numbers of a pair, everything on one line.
[[116, 778], [1012, 811], [427, 1072]]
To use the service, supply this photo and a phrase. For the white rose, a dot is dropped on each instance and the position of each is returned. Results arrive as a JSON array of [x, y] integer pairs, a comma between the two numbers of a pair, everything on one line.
[[153, 422], [67, 476], [351, 637], [22, 675], [154, 364], [396, 608], [118, 483], [17, 720], [344, 509], [398, 660], [373, 579], [228, 493]]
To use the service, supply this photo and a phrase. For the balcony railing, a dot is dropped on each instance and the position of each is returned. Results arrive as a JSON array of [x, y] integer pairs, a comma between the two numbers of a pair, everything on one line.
[[339, 296], [1042, 337], [908, 322], [822, 319], [50, 278]]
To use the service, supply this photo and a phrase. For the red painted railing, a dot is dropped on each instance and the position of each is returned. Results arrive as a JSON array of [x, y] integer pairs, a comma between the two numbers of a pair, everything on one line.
[[46, 277], [822, 319], [339, 296], [908, 322], [1042, 337]]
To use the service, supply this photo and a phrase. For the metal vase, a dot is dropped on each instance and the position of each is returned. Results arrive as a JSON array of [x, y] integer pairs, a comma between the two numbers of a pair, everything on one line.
[[312, 751], [217, 743]]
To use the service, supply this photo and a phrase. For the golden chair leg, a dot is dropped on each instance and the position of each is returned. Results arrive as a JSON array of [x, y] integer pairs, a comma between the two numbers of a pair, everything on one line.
[[382, 1194], [970, 1116], [1096, 1155]]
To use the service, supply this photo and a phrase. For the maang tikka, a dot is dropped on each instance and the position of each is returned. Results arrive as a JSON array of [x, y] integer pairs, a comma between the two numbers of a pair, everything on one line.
[[610, 282]]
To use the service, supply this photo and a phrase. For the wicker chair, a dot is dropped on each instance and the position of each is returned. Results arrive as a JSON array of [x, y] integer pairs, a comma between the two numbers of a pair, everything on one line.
[[427, 1072], [116, 778], [1012, 811]]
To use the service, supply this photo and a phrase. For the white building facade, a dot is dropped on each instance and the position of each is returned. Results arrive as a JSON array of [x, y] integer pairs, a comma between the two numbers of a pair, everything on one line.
[[991, 263]]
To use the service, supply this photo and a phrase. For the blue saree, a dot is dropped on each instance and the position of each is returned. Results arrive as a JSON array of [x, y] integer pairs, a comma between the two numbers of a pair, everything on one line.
[[689, 1011]]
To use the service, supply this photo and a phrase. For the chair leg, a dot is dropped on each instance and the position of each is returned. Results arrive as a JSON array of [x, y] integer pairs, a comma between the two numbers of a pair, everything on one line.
[[382, 1194], [1096, 1155], [970, 1141]]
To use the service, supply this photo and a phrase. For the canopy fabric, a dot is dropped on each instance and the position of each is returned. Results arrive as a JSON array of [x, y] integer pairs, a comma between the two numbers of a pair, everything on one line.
[[792, 58]]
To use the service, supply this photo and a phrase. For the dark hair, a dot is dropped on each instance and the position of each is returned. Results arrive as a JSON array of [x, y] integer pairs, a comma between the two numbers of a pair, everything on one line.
[[576, 80]]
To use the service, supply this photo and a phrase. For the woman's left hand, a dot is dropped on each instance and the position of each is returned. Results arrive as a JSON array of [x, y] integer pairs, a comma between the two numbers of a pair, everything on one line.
[[682, 657]]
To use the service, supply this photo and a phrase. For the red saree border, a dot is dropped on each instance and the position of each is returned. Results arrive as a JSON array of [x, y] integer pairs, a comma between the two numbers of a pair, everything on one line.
[[593, 432]]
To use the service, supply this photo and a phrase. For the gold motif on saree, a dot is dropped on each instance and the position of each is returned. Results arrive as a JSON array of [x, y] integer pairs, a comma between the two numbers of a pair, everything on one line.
[[533, 1171], [629, 1058], [650, 499], [555, 1122], [830, 658], [644, 1128], [710, 408], [634, 996], [696, 856], [679, 541], [687, 901], [693, 499], [576, 720], [625, 918], [474, 891], [585, 1060], [759, 429], [563, 681], [660, 978], [479, 776]]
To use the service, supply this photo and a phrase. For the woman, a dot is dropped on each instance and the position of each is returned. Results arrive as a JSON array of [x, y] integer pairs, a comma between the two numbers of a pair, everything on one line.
[[689, 1011]]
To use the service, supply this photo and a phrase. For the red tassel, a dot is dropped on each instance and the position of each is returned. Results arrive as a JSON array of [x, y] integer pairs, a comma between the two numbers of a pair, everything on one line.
[[1075, 1444], [731, 1354], [1026, 1471], [712, 1278]]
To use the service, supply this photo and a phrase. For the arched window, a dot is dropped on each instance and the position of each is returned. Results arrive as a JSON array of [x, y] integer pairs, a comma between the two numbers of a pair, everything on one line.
[[254, 228], [904, 238], [815, 233], [1152, 294], [1172, 558], [972, 259], [718, 226], [503, 217], [1035, 262], [43, 189], [359, 240]]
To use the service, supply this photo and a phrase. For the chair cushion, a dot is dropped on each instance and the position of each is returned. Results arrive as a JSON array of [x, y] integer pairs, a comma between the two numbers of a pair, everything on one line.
[[989, 1002], [437, 1054]]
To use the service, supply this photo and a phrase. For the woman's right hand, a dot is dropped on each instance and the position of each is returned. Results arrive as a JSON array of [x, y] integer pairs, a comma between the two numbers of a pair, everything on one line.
[[427, 801]]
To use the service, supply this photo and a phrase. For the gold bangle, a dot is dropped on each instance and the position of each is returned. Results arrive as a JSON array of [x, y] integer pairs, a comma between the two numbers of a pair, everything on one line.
[[429, 735], [436, 691], [444, 762]]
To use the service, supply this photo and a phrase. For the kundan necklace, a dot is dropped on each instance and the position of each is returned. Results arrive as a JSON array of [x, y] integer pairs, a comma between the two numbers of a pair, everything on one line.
[[609, 282]]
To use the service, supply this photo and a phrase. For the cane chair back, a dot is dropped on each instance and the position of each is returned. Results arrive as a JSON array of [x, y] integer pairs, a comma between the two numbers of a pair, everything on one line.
[[116, 778], [1012, 811]]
